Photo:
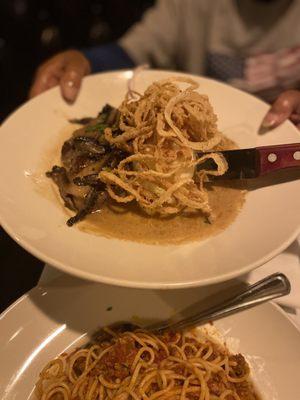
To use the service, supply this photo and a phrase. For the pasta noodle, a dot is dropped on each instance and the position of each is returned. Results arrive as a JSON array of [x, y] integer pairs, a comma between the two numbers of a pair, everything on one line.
[[140, 365], [163, 131]]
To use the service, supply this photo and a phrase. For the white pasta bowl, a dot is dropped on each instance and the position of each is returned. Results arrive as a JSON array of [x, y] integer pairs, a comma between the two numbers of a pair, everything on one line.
[[60, 316], [30, 141]]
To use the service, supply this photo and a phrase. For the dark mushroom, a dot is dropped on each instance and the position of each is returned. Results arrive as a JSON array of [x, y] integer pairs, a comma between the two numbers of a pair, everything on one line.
[[87, 180], [89, 146], [110, 115], [80, 152], [81, 121], [83, 156], [71, 194], [93, 201]]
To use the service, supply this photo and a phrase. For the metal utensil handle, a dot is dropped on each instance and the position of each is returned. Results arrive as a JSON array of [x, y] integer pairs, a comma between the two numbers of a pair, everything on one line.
[[269, 288], [272, 158]]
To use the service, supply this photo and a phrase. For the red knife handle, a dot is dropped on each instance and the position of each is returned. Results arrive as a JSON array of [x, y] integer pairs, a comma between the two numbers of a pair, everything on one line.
[[273, 158]]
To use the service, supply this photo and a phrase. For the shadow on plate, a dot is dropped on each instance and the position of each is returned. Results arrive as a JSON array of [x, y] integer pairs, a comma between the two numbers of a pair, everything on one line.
[[61, 299], [294, 249]]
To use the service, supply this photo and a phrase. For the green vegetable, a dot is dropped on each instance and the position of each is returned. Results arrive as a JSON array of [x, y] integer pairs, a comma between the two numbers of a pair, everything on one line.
[[97, 127]]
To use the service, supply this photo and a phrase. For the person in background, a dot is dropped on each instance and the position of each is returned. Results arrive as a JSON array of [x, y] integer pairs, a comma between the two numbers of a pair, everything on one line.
[[251, 44]]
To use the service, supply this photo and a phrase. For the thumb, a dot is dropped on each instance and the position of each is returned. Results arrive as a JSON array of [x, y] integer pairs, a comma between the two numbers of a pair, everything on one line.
[[287, 103], [76, 68]]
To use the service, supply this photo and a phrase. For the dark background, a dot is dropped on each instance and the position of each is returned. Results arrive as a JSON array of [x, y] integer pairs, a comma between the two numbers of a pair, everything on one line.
[[30, 32]]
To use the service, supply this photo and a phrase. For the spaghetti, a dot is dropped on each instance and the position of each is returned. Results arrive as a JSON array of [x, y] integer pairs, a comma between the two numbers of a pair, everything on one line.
[[139, 365], [162, 131]]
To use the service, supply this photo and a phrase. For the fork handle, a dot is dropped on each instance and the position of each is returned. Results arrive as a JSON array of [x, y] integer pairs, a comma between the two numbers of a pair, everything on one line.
[[271, 287], [273, 158]]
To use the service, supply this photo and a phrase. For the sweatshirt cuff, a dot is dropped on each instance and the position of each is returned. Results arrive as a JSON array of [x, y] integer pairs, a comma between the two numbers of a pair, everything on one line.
[[108, 57]]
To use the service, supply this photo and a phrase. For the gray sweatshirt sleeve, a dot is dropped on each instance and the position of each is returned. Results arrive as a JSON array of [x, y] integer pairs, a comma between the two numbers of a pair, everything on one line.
[[154, 39]]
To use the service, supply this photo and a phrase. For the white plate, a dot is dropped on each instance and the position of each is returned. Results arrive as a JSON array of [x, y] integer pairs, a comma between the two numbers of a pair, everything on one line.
[[48, 320], [267, 224]]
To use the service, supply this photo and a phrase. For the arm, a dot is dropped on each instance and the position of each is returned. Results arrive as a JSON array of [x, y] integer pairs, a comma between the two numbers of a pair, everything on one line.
[[154, 39]]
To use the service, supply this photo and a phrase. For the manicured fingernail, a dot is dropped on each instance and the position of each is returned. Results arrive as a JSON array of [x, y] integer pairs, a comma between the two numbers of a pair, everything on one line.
[[270, 120], [70, 91]]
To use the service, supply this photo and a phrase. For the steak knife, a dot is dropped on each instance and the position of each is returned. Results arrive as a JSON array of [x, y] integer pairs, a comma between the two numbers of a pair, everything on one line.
[[258, 161]]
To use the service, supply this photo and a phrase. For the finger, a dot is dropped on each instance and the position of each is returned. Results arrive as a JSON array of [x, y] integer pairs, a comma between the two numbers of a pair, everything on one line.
[[40, 84], [52, 82], [282, 109], [70, 83], [46, 75], [295, 118]]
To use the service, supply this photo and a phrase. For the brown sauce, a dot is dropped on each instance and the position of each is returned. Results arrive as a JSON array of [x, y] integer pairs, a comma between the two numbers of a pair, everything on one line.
[[131, 223]]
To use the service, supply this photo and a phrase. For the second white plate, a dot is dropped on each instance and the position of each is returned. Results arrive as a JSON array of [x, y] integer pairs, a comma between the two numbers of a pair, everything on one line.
[[50, 319]]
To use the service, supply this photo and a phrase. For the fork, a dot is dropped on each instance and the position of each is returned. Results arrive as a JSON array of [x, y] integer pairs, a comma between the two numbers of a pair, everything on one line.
[[269, 288]]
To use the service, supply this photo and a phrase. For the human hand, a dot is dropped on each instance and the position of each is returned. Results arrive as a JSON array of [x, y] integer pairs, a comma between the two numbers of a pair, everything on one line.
[[287, 106], [64, 69]]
